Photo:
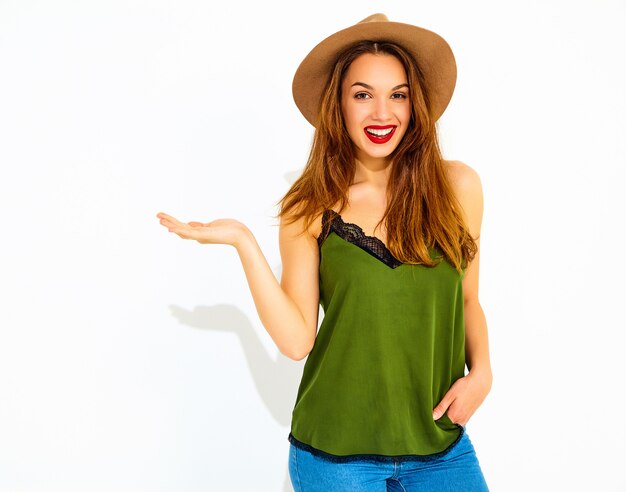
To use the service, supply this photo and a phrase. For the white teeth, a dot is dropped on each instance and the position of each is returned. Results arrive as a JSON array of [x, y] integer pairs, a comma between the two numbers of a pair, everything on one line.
[[379, 133]]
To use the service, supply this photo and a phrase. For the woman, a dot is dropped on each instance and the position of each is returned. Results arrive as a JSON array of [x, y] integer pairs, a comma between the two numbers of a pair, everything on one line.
[[384, 400]]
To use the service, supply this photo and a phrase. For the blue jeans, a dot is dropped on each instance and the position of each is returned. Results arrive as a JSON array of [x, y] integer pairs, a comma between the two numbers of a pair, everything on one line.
[[457, 470]]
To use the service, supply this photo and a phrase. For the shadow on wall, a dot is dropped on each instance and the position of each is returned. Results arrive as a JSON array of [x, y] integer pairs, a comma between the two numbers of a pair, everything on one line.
[[276, 380]]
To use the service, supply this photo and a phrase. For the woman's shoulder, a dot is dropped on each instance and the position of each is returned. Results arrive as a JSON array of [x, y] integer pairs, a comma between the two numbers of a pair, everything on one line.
[[298, 226], [463, 177], [468, 190], [457, 166]]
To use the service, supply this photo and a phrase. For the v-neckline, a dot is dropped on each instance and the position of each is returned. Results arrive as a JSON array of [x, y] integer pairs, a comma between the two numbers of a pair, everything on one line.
[[354, 234]]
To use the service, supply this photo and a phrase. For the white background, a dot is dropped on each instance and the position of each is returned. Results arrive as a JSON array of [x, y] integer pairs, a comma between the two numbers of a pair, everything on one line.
[[132, 360]]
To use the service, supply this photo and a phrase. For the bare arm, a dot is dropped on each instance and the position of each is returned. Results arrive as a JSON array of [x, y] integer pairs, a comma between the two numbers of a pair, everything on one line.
[[288, 312], [469, 190], [467, 393], [291, 331]]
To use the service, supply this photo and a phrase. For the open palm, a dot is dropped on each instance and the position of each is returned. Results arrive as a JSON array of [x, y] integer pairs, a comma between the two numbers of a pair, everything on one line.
[[219, 231]]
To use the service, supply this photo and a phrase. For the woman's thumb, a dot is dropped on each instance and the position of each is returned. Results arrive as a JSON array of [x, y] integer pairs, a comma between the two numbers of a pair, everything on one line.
[[440, 409]]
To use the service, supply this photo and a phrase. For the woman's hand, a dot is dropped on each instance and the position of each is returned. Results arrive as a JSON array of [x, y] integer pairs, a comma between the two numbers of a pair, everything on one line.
[[464, 397], [220, 231]]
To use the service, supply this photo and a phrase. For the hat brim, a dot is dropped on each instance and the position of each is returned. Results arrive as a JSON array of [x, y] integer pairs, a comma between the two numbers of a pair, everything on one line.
[[431, 52]]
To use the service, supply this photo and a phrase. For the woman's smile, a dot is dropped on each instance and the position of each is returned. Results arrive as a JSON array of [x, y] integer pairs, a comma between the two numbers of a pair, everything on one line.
[[380, 134]]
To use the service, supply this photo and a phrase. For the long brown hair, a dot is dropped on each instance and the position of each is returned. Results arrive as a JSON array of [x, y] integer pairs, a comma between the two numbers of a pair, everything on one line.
[[422, 210]]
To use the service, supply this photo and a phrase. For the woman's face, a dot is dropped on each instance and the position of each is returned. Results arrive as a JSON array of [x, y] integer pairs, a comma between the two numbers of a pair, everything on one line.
[[375, 104]]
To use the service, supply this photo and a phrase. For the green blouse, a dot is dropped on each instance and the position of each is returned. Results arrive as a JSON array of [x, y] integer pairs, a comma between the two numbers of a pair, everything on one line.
[[390, 345]]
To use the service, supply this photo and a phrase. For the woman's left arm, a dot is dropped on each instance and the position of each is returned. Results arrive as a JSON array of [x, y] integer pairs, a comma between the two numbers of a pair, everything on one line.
[[467, 393]]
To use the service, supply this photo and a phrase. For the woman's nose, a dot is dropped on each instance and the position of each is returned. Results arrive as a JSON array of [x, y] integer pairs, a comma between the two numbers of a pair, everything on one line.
[[381, 109]]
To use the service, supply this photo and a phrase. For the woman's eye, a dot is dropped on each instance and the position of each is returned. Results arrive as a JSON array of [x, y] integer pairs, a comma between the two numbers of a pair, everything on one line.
[[401, 95], [359, 94]]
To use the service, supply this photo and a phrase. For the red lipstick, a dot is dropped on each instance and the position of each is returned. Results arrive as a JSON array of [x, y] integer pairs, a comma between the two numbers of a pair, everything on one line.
[[380, 139]]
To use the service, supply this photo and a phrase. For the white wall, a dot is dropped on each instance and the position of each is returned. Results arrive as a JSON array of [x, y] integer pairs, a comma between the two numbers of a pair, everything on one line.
[[132, 360]]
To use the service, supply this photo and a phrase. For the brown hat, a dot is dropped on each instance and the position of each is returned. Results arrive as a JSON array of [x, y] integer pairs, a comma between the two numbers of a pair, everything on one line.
[[431, 51]]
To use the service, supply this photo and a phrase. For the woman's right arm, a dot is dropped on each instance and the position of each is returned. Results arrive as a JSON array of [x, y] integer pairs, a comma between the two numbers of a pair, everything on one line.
[[289, 310]]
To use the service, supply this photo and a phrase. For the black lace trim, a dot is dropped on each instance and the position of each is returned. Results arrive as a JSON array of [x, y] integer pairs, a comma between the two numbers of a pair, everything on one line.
[[374, 457], [332, 221]]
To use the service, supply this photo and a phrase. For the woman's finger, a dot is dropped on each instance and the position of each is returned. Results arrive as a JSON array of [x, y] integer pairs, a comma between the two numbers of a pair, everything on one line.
[[168, 223], [172, 223], [170, 218]]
